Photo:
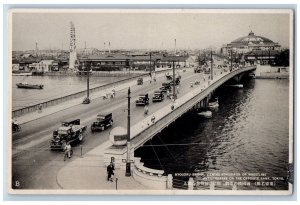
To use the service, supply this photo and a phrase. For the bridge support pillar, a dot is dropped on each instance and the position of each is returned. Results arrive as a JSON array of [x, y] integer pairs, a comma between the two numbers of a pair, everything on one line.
[[170, 181], [191, 184]]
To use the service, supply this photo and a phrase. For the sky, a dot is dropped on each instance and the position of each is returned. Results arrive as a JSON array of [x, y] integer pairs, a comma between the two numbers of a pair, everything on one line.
[[140, 30]]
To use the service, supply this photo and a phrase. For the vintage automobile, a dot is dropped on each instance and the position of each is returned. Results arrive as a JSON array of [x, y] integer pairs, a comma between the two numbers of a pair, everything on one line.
[[158, 96], [198, 70], [140, 81], [165, 87], [69, 132], [177, 81], [104, 120], [143, 99]]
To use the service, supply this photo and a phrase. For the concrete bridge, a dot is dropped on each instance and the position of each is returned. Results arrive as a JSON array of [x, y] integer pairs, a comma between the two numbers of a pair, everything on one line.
[[199, 96]]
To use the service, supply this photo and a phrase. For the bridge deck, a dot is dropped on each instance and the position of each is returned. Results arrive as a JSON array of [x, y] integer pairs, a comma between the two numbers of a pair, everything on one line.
[[147, 128]]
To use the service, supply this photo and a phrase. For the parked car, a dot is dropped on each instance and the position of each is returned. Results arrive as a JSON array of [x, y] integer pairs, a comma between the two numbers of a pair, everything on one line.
[[165, 87], [143, 99], [158, 96], [104, 120]]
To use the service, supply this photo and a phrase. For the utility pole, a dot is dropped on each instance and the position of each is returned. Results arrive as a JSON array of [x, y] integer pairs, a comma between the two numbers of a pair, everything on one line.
[[269, 56], [230, 60], [211, 65], [128, 169], [174, 79], [150, 65], [87, 71], [88, 84]]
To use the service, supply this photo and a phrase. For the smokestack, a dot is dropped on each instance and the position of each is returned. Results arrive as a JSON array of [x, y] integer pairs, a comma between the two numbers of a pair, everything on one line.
[[104, 48], [85, 50], [36, 49], [108, 47]]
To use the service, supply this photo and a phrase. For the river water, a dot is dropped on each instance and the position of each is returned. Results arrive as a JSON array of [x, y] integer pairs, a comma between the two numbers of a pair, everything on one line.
[[247, 136], [54, 87]]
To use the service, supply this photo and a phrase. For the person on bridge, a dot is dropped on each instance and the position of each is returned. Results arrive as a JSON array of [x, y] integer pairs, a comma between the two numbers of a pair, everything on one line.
[[68, 150], [146, 110], [110, 172]]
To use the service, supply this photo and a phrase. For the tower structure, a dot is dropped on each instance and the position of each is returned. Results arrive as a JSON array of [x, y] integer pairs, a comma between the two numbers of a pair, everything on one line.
[[73, 53], [36, 52]]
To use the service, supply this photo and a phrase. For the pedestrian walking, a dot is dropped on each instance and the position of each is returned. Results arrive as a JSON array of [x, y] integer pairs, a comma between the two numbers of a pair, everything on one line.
[[110, 172], [68, 149], [40, 107]]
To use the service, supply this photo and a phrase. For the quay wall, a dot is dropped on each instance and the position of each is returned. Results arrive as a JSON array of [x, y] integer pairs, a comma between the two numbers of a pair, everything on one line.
[[56, 101], [98, 74], [282, 75]]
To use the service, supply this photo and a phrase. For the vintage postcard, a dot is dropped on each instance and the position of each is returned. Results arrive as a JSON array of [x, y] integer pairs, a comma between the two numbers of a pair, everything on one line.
[[151, 101]]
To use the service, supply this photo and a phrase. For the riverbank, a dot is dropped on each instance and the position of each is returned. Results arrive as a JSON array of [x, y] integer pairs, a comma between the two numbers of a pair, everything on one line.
[[281, 75]]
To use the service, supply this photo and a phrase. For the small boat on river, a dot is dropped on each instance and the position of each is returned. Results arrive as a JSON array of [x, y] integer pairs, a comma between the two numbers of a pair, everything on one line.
[[214, 104], [236, 86], [29, 86], [206, 114]]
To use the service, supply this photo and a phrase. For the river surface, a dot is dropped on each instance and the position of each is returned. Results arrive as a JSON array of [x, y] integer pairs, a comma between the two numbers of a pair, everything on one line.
[[54, 87], [247, 136]]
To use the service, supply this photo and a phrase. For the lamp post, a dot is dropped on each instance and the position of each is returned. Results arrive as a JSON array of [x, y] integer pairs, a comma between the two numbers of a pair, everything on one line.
[[230, 60], [269, 56], [150, 66], [128, 169], [211, 65], [87, 99], [174, 80]]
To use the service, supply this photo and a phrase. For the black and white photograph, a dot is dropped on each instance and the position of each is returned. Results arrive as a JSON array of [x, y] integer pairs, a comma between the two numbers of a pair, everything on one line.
[[151, 101]]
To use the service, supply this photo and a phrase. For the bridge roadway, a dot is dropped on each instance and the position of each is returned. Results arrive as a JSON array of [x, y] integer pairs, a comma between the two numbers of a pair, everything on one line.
[[146, 129], [34, 166]]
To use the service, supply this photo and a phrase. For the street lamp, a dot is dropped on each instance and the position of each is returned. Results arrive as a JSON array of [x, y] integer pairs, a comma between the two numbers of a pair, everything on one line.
[[128, 169], [87, 99], [174, 95], [211, 65]]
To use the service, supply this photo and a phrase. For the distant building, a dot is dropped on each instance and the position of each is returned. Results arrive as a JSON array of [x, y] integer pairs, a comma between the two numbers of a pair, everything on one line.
[[119, 62], [45, 66], [252, 48]]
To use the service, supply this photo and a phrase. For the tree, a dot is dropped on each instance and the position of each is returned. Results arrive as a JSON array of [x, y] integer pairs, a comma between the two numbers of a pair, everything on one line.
[[283, 58]]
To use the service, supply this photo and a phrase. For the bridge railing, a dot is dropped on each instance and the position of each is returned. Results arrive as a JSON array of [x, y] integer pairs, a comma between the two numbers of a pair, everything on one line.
[[56, 101]]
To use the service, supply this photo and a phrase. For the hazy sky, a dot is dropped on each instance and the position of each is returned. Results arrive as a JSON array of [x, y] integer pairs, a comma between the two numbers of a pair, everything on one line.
[[148, 31]]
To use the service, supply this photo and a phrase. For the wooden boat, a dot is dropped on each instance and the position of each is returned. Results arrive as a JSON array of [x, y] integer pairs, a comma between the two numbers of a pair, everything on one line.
[[29, 86], [236, 86], [214, 104], [206, 114]]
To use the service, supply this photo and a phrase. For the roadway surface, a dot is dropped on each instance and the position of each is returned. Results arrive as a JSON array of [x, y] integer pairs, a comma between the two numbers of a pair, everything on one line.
[[34, 166]]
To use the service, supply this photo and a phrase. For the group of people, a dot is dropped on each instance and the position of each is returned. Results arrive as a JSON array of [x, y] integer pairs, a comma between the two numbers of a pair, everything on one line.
[[169, 95], [112, 94]]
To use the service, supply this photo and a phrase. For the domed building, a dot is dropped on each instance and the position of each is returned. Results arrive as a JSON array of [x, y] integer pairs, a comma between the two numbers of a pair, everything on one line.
[[253, 48]]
